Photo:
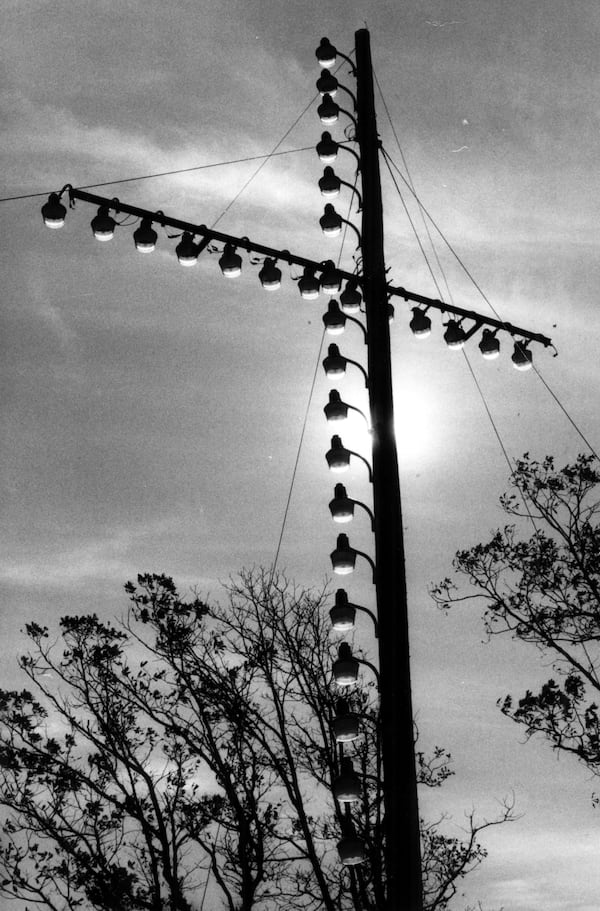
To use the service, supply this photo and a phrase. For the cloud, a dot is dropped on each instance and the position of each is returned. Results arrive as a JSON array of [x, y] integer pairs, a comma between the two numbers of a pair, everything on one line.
[[61, 147], [107, 557], [553, 855]]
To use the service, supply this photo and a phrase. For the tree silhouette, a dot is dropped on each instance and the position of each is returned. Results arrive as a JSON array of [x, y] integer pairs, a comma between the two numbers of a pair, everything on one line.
[[545, 591], [191, 741]]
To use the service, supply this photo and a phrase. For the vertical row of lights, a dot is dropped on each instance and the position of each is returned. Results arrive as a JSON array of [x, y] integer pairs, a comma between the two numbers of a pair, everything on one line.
[[347, 786]]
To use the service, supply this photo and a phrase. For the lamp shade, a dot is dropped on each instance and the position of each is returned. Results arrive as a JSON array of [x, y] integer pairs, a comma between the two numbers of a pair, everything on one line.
[[331, 280], [346, 787], [351, 850], [103, 225], [230, 262], [334, 320], [341, 507], [350, 299], [342, 614], [187, 250], [308, 285], [330, 221], [345, 668], [326, 53], [327, 84], [343, 558], [454, 336], [329, 183], [270, 275], [522, 357], [420, 324], [327, 148], [334, 364], [346, 726], [53, 212], [328, 110], [335, 409], [145, 237], [489, 345], [338, 458]]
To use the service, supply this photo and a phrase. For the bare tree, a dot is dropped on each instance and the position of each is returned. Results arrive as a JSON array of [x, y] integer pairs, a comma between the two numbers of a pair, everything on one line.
[[192, 740]]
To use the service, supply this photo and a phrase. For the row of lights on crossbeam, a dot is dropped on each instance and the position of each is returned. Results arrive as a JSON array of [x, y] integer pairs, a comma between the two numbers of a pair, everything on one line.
[[188, 250], [420, 325], [309, 285], [455, 338]]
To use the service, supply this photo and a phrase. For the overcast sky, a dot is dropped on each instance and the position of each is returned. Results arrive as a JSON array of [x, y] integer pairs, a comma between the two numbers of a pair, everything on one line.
[[152, 414]]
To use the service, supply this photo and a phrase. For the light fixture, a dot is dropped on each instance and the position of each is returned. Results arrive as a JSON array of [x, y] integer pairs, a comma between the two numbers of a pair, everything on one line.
[[330, 221], [345, 724], [454, 336], [336, 409], [420, 324], [331, 280], [230, 262], [338, 457], [308, 285], [341, 507], [351, 850], [522, 357], [346, 787], [343, 558], [329, 183], [326, 53], [334, 364], [103, 225], [351, 298], [327, 84], [327, 148], [489, 345], [187, 250], [345, 668], [328, 110], [334, 319], [145, 236], [342, 614], [270, 275], [53, 212]]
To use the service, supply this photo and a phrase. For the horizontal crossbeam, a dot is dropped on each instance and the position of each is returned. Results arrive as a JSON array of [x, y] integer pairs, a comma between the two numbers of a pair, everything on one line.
[[245, 243]]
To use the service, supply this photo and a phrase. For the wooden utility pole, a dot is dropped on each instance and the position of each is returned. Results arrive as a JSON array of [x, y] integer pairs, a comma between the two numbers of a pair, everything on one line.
[[401, 823]]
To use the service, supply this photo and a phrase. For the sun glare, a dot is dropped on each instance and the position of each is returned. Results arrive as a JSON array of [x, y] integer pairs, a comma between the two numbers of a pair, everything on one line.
[[413, 427]]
